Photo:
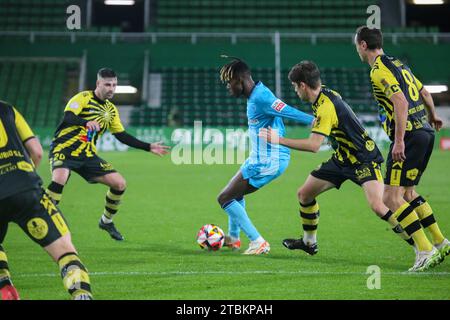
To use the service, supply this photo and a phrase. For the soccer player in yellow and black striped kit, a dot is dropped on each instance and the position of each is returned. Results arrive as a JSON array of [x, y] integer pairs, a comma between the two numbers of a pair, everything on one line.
[[407, 114], [24, 202], [86, 117], [356, 155]]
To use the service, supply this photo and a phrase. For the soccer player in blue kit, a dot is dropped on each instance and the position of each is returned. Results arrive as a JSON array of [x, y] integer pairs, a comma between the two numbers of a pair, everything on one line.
[[265, 162]]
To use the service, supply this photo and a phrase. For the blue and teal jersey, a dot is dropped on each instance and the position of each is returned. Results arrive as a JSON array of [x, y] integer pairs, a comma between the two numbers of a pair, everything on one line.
[[264, 109], [267, 161]]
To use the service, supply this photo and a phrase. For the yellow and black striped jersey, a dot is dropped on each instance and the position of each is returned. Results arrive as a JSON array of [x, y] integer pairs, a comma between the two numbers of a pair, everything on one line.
[[335, 119], [17, 171], [389, 76], [72, 139]]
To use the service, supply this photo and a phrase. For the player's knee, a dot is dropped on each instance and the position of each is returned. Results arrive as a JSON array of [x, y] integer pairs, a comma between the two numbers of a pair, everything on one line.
[[223, 198], [60, 178], [120, 184], [410, 195], [378, 207], [304, 196]]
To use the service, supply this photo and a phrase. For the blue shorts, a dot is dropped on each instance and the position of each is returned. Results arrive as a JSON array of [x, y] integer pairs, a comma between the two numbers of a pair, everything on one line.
[[259, 174]]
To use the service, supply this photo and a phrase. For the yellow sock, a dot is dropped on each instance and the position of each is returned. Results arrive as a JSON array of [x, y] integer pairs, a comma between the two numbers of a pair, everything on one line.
[[409, 221], [310, 220], [75, 275], [4, 270], [427, 219]]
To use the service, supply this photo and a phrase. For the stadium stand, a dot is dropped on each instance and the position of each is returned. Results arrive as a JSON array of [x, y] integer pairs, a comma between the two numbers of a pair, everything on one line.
[[198, 94], [36, 88]]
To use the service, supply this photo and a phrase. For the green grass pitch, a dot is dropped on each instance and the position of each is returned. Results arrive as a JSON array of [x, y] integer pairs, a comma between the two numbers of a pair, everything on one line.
[[164, 207]]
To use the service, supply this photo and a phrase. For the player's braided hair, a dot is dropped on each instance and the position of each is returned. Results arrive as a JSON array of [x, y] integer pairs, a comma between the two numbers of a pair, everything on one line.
[[233, 69]]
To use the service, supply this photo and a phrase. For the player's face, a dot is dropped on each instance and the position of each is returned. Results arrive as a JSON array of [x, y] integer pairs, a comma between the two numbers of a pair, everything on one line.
[[361, 48], [235, 87], [300, 90], [106, 87]]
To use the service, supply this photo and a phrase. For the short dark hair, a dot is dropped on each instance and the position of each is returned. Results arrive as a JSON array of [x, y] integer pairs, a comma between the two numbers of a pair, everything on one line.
[[307, 72], [106, 73], [373, 37], [234, 69]]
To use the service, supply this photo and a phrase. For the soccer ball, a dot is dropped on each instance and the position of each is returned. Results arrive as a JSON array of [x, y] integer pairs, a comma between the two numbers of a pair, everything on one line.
[[210, 237]]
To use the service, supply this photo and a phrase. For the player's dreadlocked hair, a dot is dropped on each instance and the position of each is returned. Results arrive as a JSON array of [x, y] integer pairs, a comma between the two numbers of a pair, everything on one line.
[[233, 69]]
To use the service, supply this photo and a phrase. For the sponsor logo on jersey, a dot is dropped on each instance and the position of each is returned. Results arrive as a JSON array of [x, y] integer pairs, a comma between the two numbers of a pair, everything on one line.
[[278, 105]]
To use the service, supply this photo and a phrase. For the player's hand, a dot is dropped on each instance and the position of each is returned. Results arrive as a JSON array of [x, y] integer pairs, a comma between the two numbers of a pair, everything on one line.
[[269, 135], [398, 152], [159, 149], [93, 125], [436, 122]]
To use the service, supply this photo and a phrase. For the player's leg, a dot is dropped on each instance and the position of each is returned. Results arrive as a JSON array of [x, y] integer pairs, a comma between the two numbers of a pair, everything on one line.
[[229, 199], [399, 176], [43, 222], [232, 240], [423, 145], [59, 179], [427, 256], [309, 214], [117, 186], [7, 289], [73, 272], [373, 190], [427, 219]]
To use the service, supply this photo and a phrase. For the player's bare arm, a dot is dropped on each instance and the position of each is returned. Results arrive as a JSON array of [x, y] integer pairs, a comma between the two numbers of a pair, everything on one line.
[[312, 144], [34, 148], [401, 115], [433, 119]]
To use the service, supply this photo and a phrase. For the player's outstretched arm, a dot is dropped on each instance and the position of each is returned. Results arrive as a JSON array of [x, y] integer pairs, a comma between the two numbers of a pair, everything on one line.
[[312, 144], [157, 147], [280, 109]]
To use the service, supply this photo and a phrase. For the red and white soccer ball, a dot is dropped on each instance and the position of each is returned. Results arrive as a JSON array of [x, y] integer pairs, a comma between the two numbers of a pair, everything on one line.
[[210, 237]]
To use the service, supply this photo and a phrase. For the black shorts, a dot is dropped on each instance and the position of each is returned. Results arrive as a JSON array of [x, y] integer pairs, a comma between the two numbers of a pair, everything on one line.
[[36, 214], [88, 168], [418, 149], [334, 172]]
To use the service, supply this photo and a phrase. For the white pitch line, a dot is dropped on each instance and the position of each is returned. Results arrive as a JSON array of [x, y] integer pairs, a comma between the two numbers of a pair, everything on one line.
[[200, 273]]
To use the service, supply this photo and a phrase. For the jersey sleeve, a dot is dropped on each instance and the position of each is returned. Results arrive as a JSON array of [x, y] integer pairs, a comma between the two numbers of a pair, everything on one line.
[[22, 127], [385, 81], [326, 119], [116, 125], [77, 103], [278, 108]]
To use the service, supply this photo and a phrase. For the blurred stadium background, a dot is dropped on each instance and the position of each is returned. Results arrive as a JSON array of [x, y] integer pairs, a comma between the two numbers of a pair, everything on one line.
[[166, 53]]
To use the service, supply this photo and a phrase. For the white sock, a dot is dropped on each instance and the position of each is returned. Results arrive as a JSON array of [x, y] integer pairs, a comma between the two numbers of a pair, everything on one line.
[[105, 219], [309, 239], [233, 239]]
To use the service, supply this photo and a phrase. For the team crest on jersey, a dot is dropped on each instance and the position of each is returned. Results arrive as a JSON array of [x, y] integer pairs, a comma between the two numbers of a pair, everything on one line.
[[38, 228], [412, 174], [278, 105], [370, 145]]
